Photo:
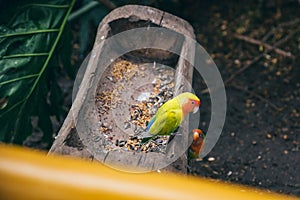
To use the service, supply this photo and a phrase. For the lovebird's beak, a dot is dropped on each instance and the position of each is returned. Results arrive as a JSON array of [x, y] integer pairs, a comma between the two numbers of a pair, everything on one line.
[[196, 108]]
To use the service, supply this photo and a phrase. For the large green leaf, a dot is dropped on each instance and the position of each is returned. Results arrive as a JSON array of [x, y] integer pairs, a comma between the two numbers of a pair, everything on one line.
[[29, 36]]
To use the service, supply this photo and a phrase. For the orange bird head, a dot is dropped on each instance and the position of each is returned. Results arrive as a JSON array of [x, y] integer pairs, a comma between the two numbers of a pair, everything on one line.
[[198, 141]]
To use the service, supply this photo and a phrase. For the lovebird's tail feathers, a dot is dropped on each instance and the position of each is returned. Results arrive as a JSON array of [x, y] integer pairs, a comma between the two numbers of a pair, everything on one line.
[[145, 136]]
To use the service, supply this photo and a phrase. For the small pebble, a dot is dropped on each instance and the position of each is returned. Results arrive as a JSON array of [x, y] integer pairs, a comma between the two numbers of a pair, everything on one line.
[[206, 166], [215, 172], [265, 166], [237, 62], [269, 136], [259, 157], [278, 73], [285, 137], [211, 159]]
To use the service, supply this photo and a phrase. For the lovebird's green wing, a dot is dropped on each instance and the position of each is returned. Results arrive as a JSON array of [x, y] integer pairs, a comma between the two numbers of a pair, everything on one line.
[[165, 122]]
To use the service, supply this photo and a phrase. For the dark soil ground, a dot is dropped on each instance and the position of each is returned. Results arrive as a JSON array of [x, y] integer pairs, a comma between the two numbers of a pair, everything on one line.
[[259, 145]]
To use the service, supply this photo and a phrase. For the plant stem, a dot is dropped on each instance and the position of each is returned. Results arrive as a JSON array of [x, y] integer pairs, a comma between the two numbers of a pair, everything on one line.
[[91, 5], [19, 79], [25, 55], [29, 32]]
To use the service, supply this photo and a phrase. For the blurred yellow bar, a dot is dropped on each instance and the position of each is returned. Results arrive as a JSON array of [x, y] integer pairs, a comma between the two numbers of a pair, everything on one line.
[[28, 174]]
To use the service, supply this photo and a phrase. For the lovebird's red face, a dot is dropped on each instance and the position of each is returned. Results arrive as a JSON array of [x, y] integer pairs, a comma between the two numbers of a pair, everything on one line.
[[191, 106], [195, 104]]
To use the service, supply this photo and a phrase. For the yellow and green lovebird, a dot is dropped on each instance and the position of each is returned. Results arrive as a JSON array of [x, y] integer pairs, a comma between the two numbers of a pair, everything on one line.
[[170, 115]]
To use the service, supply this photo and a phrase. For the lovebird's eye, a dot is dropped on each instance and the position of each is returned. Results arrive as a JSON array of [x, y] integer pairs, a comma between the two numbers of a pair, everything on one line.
[[193, 102]]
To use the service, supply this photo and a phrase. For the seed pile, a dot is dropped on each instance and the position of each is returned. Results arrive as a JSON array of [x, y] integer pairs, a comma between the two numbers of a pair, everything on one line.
[[125, 71], [122, 72], [140, 112], [134, 144], [107, 100]]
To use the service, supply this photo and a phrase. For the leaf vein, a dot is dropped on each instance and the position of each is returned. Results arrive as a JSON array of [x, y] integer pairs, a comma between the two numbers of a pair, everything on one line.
[[29, 32]]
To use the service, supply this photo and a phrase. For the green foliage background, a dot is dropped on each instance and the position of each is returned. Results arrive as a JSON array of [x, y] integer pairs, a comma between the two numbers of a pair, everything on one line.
[[29, 64]]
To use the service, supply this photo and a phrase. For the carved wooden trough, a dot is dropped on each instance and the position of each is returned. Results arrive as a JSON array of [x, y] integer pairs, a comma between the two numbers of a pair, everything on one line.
[[137, 63]]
